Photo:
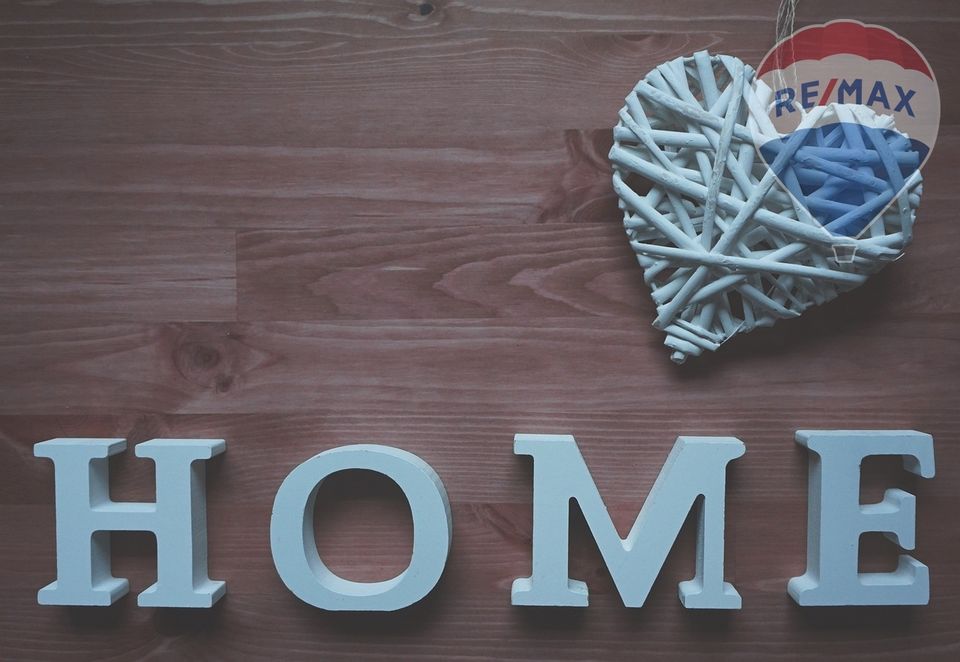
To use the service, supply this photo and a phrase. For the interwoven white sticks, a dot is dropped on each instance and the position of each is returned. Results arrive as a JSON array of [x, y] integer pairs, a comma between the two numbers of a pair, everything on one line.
[[723, 245]]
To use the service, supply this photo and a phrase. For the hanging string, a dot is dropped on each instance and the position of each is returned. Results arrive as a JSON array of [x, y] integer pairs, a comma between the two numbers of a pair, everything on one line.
[[786, 17]]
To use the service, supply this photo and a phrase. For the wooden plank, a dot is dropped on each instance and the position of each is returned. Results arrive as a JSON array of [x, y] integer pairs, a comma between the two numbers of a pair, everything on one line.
[[76, 274], [279, 21], [255, 627], [361, 271], [441, 272], [257, 73], [468, 616], [530, 178], [545, 365]]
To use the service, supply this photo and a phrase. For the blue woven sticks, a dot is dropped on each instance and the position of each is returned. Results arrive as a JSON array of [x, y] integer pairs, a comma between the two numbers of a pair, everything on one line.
[[729, 243], [846, 173]]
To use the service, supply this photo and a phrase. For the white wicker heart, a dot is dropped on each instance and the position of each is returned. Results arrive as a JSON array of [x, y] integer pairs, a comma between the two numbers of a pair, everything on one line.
[[724, 247]]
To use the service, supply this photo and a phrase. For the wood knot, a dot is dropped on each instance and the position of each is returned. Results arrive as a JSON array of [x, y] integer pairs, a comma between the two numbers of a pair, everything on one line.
[[223, 383], [205, 364], [200, 356]]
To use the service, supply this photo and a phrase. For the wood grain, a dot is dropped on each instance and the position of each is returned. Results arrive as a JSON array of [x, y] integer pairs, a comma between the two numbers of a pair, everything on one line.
[[65, 274], [296, 225], [490, 271], [194, 186]]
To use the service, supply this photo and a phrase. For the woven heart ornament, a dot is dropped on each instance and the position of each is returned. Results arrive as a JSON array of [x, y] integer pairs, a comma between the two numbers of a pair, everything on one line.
[[725, 244]]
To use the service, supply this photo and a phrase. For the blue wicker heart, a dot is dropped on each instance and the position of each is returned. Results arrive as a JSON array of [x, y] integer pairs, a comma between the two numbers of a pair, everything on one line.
[[729, 243]]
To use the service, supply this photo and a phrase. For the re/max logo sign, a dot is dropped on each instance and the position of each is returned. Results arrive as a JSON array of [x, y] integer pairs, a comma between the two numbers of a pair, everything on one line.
[[693, 477], [878, 95]]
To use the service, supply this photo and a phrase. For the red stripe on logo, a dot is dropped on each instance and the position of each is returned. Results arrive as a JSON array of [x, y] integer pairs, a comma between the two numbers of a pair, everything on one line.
[[827, 92], [844, 36]]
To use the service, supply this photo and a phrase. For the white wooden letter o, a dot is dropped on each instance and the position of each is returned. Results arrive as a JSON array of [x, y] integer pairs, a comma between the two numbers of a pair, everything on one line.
[[294, 548]]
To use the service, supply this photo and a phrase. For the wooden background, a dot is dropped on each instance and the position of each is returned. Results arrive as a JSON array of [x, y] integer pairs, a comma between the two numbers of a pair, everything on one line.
[[296, 225]]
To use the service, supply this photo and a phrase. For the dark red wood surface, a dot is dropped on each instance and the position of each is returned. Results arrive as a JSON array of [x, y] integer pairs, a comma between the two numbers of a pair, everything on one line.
[[295, 225]]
